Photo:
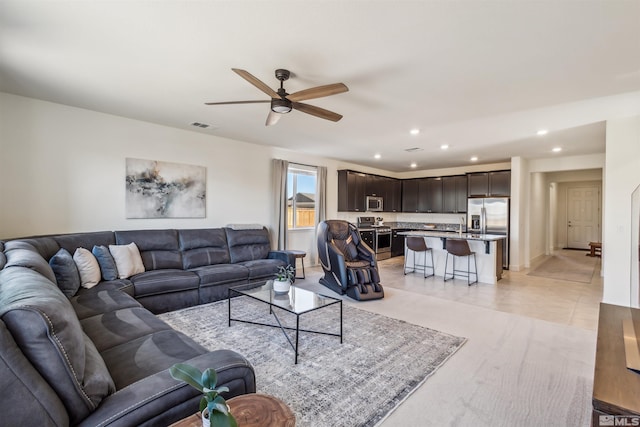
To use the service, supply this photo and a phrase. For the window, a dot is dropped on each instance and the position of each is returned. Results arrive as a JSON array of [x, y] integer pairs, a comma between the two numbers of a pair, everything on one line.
[[301, 197]]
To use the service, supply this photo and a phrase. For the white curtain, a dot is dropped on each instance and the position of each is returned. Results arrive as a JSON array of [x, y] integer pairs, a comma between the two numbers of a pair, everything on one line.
[[280, 170]]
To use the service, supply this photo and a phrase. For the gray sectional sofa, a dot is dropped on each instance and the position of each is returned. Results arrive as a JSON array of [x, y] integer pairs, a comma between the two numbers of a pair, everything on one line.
[[101, 357]]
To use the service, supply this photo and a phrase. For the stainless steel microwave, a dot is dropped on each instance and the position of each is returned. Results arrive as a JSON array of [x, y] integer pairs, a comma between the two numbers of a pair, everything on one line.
[[374, 204]]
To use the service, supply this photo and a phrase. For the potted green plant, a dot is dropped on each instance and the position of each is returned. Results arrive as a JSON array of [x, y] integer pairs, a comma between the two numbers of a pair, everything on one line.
[[283, 279], [214, 409]]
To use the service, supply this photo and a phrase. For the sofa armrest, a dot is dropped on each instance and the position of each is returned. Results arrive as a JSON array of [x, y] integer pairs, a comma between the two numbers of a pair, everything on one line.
[[285, 256], [161, 400]]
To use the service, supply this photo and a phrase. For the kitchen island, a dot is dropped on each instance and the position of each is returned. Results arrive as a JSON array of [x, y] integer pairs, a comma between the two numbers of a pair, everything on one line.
[[486, 246]]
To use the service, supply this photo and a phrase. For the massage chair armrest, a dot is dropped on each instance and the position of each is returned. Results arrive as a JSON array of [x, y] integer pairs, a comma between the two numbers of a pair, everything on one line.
[[338, 263], [161, 400], [366, 253]]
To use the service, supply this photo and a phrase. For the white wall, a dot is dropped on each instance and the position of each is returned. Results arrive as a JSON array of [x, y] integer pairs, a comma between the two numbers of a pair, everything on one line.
[[622, 176], [62, 170], [539, 216]]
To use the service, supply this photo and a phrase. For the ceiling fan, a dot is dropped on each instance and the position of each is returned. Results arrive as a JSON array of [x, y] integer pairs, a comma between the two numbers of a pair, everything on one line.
[[283, 102]]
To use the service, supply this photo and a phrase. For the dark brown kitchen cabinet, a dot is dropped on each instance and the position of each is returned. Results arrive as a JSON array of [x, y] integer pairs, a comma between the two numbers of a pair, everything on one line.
[[489, 184], [500, 183], [478, 184], [454, 194], [430, 195], [392, 195], [410, 195], [375, 185], [351, 191]]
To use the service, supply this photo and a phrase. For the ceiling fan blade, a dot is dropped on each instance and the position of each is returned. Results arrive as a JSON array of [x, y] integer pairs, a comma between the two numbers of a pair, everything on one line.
[[236, 102], [256, 82], [316, 111], [272, 118], [318, 92]]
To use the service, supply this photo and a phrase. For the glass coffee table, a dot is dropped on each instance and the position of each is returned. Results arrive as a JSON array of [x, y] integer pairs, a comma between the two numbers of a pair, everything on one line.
[[297, 301]]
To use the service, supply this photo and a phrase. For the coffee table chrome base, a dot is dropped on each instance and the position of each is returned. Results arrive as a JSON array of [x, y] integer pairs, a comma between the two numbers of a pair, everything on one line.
[[283, 328]]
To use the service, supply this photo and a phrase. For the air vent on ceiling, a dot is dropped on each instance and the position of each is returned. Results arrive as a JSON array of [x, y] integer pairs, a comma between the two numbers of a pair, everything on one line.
[[200, 125], [411, 150]]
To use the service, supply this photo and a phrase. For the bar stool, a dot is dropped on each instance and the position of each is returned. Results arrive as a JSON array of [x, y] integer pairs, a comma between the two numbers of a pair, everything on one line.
[[460, 248], [417, 244]]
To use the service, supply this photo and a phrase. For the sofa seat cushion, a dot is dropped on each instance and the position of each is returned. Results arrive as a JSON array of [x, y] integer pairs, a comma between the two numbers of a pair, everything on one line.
[[44, 325], [139, 358], [118, 327], [87, 304], [263, 267], [164, 281], [211, 275]]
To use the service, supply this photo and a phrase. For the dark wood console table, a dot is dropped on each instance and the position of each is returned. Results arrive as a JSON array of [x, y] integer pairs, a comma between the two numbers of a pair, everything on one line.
[[616, 389]]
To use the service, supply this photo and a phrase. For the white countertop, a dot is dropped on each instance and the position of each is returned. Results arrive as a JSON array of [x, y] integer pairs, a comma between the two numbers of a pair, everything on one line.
[[450, 235]]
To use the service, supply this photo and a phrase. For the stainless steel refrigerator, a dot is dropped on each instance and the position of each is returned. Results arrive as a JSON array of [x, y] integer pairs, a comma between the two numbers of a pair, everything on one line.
[[490, 216]]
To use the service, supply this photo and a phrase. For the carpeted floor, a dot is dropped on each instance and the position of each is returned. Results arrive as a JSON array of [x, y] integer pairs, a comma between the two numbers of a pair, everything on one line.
[[565, 265], [357, 383]]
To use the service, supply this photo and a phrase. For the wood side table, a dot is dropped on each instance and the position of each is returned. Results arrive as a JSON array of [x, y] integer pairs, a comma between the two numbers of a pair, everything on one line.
[[252, 410], [298, 254]]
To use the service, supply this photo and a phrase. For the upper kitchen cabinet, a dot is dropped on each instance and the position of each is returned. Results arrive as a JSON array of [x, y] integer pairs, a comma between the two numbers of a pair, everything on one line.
[[410, 195], [500, 183], [430, 195], [351, 191], [393, 195], [478, 184], [489, 184], [454, 194]]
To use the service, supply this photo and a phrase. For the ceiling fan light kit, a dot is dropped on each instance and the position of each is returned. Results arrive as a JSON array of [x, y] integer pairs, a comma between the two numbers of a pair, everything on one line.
[[283, 102], [281, 106]]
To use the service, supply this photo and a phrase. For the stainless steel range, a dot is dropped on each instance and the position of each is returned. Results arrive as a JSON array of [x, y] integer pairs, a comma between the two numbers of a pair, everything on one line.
[[376, 235]]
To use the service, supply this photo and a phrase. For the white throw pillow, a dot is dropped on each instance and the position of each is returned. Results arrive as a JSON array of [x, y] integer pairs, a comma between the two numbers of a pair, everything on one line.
[[88, 267], [128, 259]]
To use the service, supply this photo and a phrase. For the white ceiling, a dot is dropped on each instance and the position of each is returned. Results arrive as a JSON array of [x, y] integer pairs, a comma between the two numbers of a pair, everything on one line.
[[481, 76]]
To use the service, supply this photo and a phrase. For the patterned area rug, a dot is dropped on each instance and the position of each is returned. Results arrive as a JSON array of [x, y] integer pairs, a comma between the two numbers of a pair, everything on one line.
[[356, 383], [561, 266]]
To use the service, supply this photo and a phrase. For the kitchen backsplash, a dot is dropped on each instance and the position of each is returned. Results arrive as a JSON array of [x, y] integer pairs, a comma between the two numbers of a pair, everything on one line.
[[409, 220]]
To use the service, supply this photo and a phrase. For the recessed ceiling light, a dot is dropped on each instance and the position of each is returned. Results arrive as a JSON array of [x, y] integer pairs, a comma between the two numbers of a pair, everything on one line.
[[414, 131], [377, 156], [474, 159], [444, 146], [542, 132], [414, 165], [556, 149]]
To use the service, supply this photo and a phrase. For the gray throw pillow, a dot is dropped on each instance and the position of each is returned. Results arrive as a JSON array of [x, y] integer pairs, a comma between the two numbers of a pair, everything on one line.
[[106, 262], [66, 272]]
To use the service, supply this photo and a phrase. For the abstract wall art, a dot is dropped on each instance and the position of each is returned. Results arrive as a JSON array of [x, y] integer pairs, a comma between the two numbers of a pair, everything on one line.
[[156, 189]]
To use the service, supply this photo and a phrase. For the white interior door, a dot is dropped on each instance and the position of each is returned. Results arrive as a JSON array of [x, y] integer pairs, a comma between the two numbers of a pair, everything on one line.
[[583, 216]]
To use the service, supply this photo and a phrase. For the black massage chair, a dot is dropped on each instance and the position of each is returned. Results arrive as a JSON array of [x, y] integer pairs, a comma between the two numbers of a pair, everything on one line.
[[349, 264]]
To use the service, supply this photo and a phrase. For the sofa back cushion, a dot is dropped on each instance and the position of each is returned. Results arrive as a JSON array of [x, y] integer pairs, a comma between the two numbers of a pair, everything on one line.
[[203, 247], [45, 246], [71, 242], [44, 325], [159, 248], [21, 254], [248, 245]]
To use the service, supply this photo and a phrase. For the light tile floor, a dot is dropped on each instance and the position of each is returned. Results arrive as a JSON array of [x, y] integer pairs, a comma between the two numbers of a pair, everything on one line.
[[529, 357]]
